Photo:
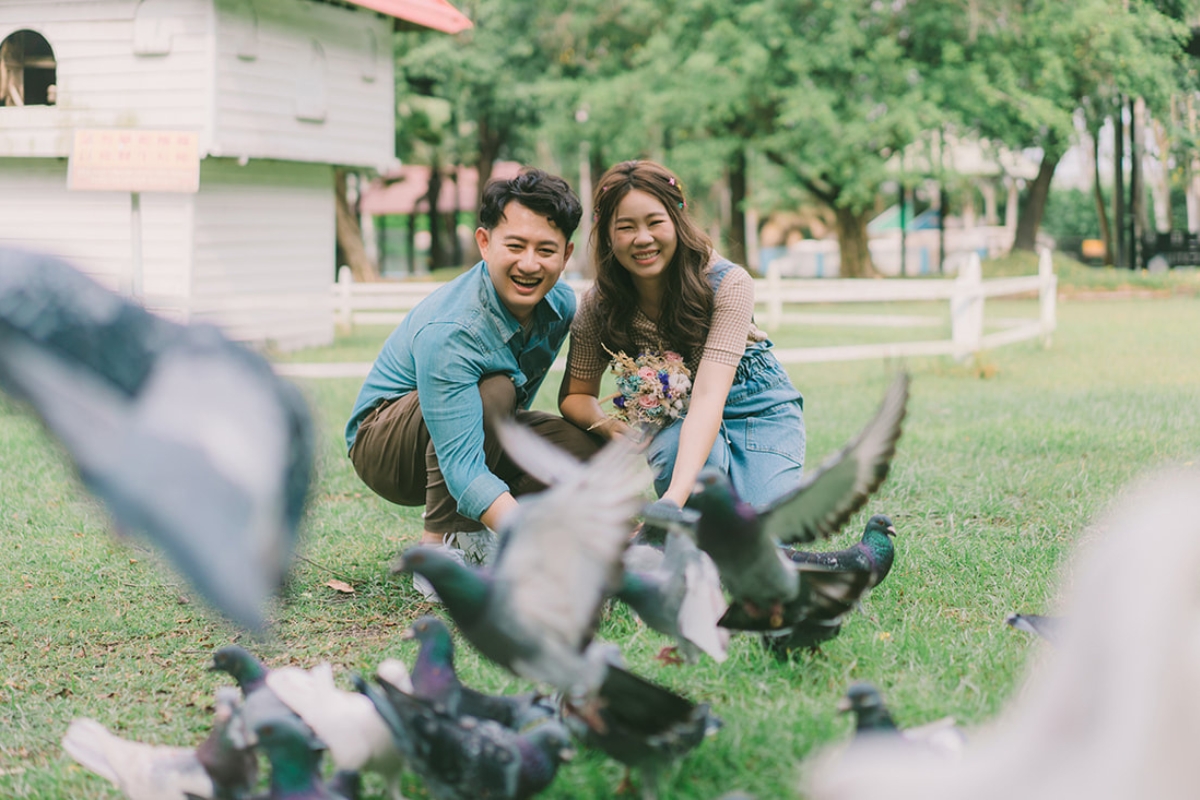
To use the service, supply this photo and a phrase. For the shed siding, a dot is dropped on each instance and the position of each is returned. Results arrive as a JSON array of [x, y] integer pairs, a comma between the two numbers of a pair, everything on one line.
[[264, 251], [93, 230], [257, 97], [101, 82]]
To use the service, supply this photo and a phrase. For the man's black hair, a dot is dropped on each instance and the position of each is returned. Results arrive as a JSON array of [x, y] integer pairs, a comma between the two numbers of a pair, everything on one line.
[[540, 192]]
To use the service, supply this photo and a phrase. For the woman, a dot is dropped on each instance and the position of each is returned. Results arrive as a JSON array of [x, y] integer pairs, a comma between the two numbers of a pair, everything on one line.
[[660, 287]]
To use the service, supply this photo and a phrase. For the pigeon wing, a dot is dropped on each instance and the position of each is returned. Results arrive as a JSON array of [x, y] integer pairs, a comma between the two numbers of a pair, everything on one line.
[[535, 455], [562, 548], [140, 771], [827, 498]]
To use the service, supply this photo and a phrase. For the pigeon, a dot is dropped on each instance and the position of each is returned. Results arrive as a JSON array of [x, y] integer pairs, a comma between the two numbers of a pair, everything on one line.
[[639, 724], [744, 542], [534, 611], [435, 681], [1048, 628], [854, 571], [463, 758], [186, 437], [680, 597], [872, 718], [260, 703], [295, 759], [347, 723], [222, 767]]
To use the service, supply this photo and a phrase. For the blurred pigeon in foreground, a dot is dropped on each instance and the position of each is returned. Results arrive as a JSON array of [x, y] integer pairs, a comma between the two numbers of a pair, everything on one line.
[[295, 758], [1110, 712], [347, 723], [435, 680], [744, 542], [1048, 628], [680, 597], [465, 758], [222, 767], [535, 610], [186, 437], [872, 718]]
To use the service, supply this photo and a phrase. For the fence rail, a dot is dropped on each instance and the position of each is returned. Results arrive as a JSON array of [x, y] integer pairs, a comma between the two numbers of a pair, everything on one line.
[[387, 303]]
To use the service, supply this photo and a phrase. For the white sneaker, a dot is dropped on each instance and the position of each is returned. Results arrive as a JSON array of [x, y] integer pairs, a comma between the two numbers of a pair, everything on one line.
[[422, 584], [477, 546]]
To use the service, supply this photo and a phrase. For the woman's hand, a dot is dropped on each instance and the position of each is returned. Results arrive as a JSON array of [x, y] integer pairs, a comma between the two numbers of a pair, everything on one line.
[[611, 428]]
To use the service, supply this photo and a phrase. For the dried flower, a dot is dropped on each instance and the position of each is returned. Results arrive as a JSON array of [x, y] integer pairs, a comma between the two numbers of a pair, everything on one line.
[[652, 389]]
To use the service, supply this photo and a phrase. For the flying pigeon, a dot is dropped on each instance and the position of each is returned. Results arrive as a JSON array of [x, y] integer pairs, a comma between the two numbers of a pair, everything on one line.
[[535, 610], [463, 758], [1048, 628], [295, 758], [186, 437], [744, 542], [222, 767], [856, 570], [872, 718], [640, 724], [681, 597], [435, 680]]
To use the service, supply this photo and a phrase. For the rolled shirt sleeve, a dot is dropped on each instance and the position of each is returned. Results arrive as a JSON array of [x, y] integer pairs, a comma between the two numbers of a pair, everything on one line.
[[448, 369]]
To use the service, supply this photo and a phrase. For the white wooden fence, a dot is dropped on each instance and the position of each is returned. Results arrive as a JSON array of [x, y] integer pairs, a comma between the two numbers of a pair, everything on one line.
[[386, 303]]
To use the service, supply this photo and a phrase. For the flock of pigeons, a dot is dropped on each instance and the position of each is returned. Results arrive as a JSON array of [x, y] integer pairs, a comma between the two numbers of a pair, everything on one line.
[[193, 442]]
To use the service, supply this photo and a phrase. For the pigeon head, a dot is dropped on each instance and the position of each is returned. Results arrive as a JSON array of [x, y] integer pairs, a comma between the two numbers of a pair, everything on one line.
[[719, 505], [433, 674], [294, 753], [867, 704], [240, 665], [880, 523], [464, 591], [553, 740]]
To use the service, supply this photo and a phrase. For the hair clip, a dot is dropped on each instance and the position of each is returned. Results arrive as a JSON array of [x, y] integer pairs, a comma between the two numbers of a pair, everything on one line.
[[671, 181], [683, 205], [595, 217], [603, 189]]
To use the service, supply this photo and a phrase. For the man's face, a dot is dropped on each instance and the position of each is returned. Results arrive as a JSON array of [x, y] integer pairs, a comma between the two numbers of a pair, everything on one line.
[[525, 254]]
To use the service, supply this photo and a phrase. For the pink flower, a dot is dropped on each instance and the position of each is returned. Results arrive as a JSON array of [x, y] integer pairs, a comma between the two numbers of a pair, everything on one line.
[[672, 358], [648, 374], [648, 401]]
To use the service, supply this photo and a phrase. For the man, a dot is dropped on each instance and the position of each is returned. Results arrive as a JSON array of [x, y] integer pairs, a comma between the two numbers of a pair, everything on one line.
[[477, 348]]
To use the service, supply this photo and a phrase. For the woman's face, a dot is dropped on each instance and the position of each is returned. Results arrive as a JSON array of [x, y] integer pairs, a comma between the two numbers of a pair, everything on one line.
[[643, 235]]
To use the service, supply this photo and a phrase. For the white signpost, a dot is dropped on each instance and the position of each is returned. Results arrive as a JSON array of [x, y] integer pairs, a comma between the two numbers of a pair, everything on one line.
[[134, 161]]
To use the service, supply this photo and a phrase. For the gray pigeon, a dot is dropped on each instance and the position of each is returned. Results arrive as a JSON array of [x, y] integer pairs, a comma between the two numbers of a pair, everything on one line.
[[463, 758], [744, 541], [872, 719], [681, 597], [186, 437], [222, 767], [535, 610]]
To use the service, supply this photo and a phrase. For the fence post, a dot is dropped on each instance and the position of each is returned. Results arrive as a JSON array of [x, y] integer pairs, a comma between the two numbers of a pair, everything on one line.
[[1048, 296], [774, 296], [345, 310], [966, 309]]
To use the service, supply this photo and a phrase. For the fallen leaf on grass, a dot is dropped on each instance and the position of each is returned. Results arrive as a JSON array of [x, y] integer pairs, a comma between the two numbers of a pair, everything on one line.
[[340, 586]]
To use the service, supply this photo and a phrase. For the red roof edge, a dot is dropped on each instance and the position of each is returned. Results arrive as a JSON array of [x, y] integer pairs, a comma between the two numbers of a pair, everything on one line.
[[439, 15]]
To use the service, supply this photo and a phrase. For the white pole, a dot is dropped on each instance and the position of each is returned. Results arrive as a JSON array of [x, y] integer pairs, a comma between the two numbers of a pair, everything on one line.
[[135, 238]]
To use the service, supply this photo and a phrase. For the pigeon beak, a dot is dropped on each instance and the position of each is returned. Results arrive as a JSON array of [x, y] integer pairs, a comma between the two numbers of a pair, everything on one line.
[[400, 564], [408, 635], [891, 530], [843, 705], [566, 754], [213, 667]]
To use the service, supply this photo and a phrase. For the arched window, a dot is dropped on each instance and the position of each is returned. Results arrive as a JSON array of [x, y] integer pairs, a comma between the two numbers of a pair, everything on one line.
[[28, 71], [311, 85]]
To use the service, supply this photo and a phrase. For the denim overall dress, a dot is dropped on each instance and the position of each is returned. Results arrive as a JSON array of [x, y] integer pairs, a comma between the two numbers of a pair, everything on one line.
[[760, 444]]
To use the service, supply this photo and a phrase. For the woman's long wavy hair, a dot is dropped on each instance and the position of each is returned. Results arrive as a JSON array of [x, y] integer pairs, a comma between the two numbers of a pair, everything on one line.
[[687, 303]]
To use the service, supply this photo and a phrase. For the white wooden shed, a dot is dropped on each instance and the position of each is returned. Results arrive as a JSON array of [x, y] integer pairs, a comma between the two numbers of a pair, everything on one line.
[[277, 93]]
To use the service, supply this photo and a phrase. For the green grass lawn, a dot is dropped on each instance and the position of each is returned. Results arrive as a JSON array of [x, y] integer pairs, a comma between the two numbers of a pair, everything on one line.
[[994, 481]]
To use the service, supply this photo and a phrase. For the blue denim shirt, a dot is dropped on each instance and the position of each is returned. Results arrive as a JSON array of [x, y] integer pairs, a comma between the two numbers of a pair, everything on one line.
[[442, 349]]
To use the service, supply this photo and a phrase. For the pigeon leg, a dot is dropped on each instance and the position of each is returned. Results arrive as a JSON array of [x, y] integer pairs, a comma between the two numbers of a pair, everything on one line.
[[669, 656]]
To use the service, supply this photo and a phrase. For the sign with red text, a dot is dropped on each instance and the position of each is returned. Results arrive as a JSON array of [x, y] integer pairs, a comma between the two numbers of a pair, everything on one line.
[[129, 160]]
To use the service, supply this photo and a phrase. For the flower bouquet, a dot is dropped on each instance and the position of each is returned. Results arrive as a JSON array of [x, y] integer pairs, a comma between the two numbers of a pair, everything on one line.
[[652, 389]]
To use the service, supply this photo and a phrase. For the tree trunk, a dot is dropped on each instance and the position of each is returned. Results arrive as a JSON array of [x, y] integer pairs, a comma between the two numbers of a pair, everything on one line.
[[852, 241], [1029, 217], [489, 151], [1101, 207], [349, 234], [736, 235], [437, 254]]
